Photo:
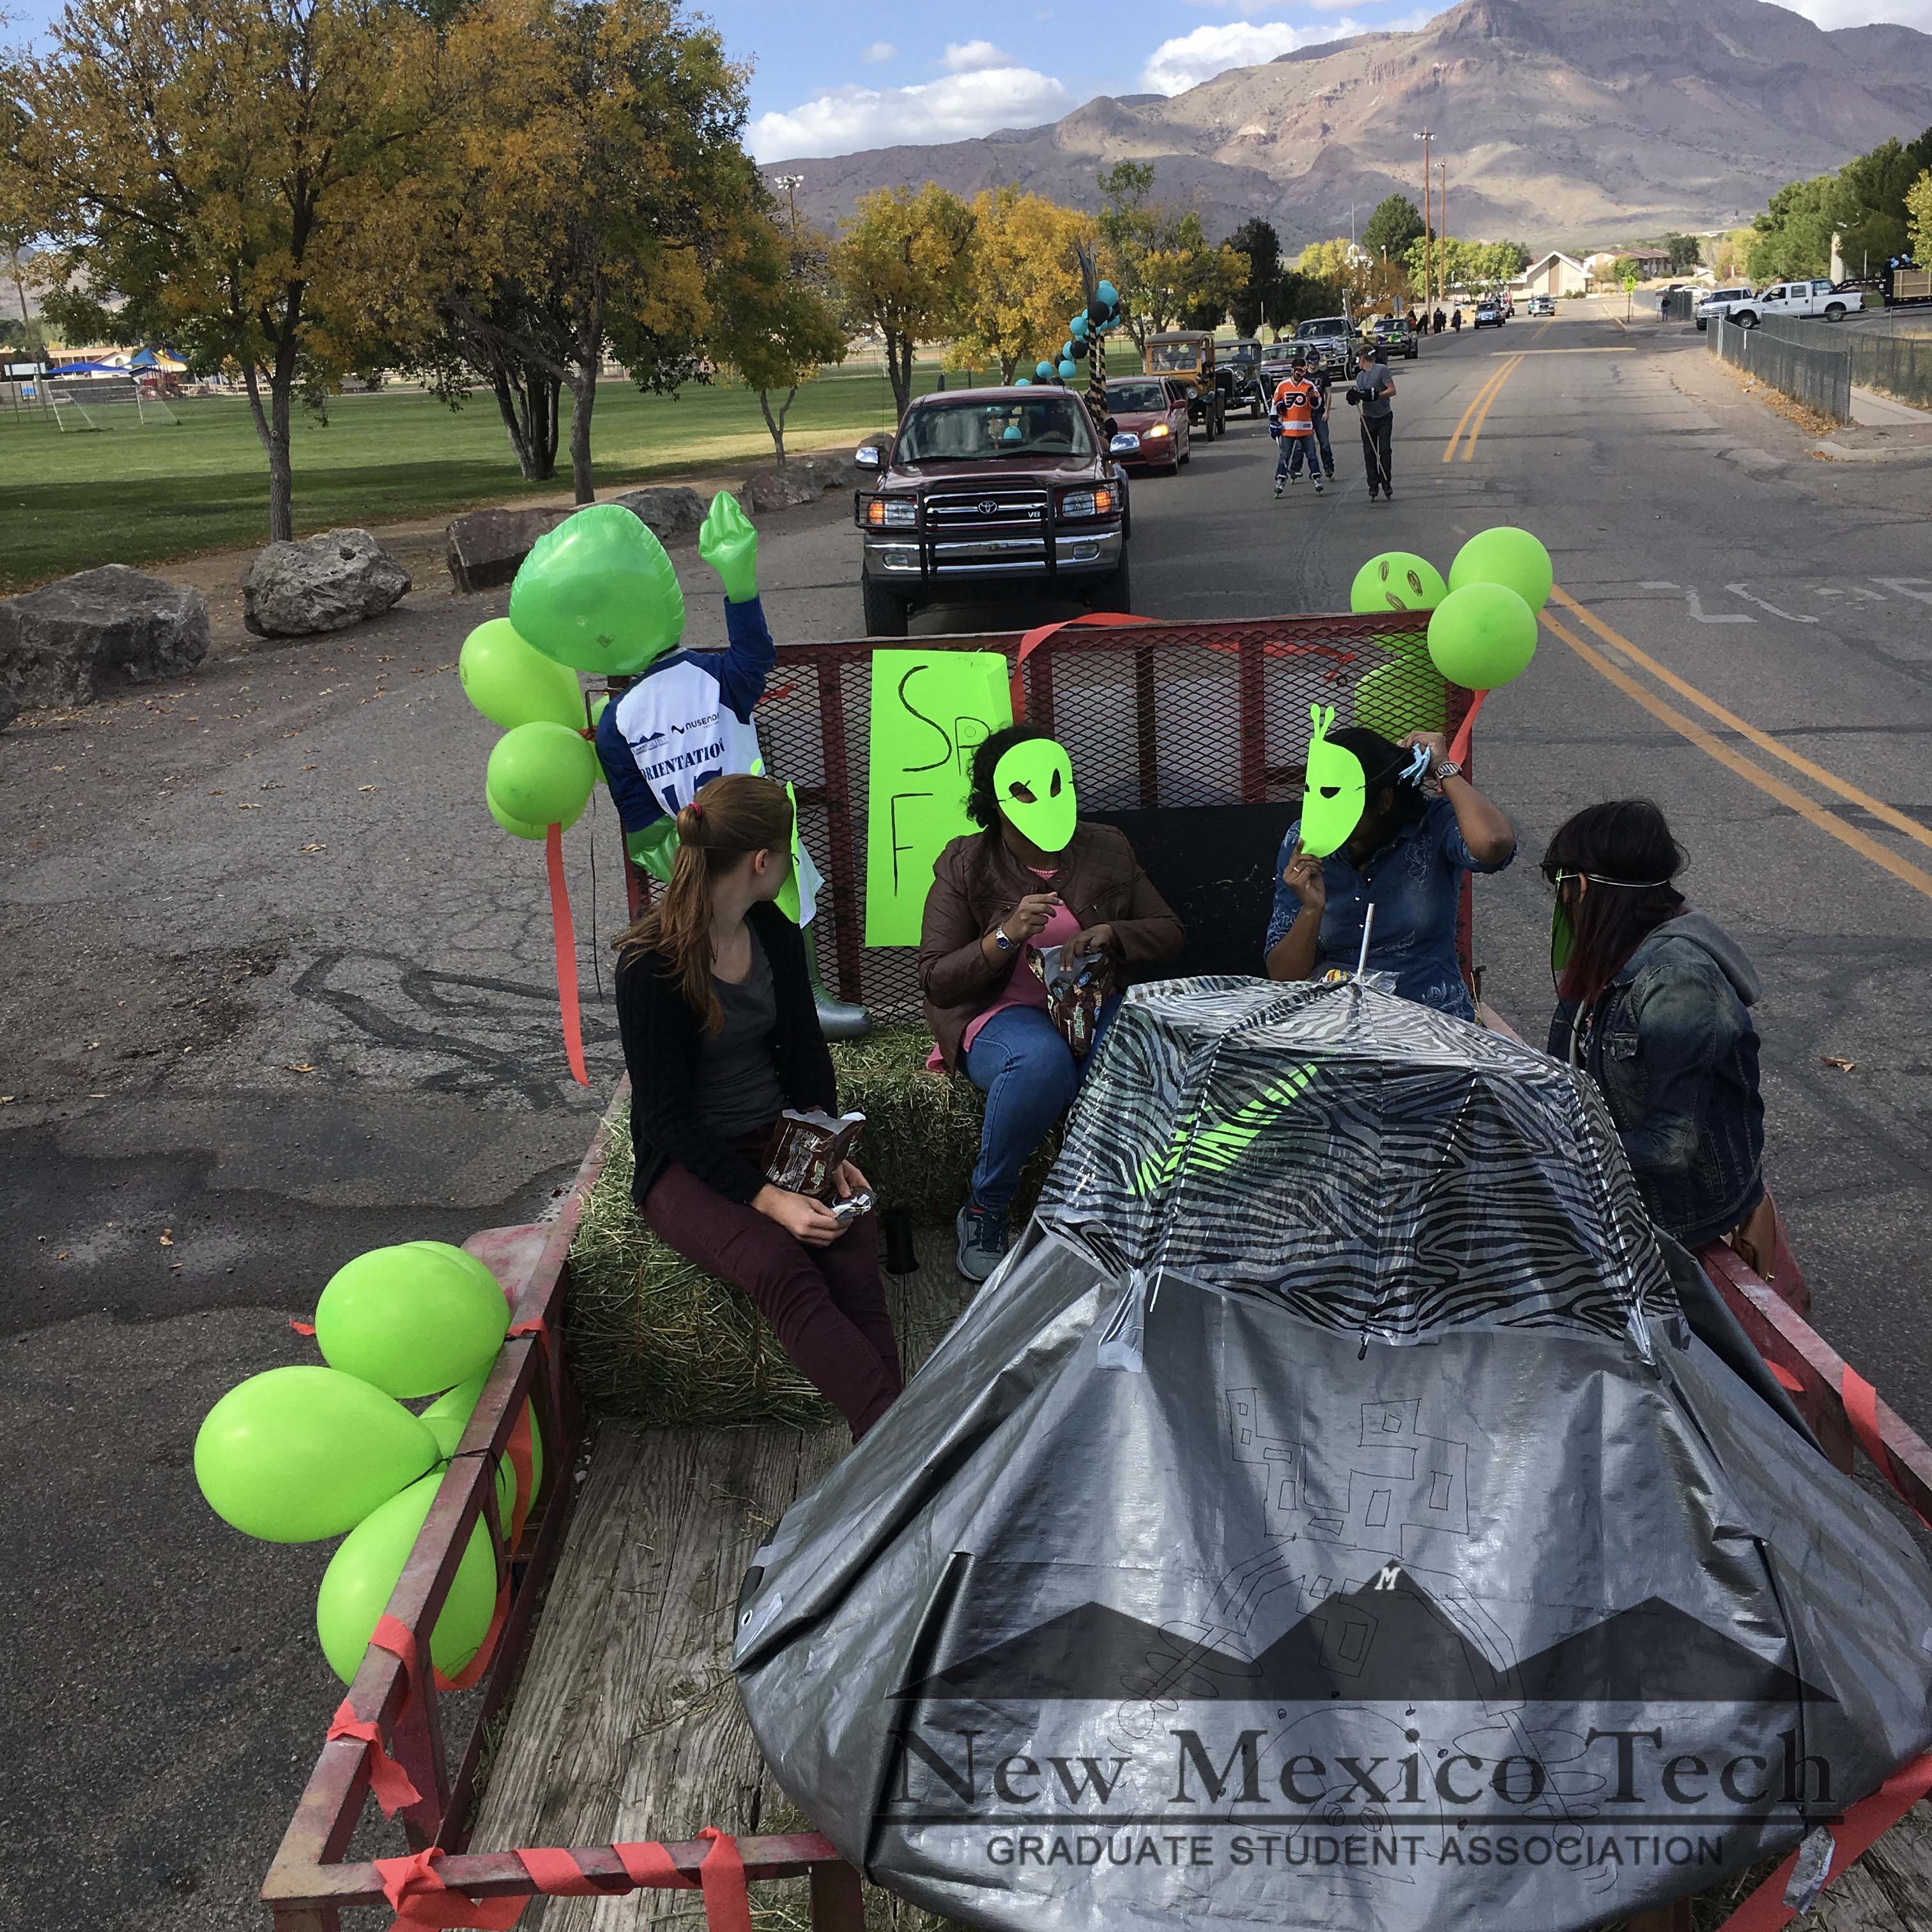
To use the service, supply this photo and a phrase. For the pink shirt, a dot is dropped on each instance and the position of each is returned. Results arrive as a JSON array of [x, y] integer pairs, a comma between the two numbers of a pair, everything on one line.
[[1023, 985]]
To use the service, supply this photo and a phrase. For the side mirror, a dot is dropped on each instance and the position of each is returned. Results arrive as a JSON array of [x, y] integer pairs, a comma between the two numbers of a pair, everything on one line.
[[867, 456]]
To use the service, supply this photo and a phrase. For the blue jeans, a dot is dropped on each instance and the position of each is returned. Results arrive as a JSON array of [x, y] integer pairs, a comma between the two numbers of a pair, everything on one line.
[[1290, 452], [1321, 437], [1029, 1076]]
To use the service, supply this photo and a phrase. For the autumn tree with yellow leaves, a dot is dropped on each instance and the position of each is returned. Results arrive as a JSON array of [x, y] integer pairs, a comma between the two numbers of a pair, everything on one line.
[[904, 266], [211, 170], [1025, 283]]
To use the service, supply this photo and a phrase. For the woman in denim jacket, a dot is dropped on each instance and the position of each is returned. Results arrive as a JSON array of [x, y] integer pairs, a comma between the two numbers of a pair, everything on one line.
[[1654, 1002]]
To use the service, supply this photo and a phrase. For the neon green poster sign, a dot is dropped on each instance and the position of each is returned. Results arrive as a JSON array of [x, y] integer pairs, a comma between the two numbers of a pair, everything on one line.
[[930, 710]]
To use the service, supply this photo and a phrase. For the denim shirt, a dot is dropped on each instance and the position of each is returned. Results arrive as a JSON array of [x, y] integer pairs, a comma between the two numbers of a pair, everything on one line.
[[1414, 882], [1671, 1045]]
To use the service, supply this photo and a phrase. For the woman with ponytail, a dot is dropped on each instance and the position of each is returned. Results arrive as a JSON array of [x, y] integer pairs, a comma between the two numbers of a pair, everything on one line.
[[721, 1035]]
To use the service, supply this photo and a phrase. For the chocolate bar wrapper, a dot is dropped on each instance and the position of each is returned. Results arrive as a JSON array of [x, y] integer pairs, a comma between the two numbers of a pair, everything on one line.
[[807, 1149]]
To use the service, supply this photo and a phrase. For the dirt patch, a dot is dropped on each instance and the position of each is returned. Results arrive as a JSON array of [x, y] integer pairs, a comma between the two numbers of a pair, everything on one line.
[[1781, 404]]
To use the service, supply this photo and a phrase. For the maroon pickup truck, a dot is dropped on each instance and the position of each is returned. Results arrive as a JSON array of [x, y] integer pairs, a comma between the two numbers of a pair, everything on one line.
[[990, 495]]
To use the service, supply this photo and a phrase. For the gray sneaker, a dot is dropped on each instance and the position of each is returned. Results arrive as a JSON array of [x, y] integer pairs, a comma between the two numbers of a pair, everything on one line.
[[983, 1242]]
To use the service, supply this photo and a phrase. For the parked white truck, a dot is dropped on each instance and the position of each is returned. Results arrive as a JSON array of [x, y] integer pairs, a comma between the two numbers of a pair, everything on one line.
[[1815, 298]]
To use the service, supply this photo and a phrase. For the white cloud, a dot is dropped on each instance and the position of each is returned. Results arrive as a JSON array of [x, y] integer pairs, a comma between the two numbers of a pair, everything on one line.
[[974, 57], [1187, 60], [880, 50], [962, 104], [1860, 12]]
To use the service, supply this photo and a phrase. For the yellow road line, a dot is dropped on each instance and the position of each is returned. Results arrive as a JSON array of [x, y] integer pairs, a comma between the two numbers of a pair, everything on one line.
[[1481, 395], [1765, 743], [1476, 427], [1840, 828]]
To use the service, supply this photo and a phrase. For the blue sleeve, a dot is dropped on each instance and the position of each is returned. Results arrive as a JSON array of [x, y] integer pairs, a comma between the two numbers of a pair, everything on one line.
[[1286, 905], [748, 658], [1455, 848], [637, 804]]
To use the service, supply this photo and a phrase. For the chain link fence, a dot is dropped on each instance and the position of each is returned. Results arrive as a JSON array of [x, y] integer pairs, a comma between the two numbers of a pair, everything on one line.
[[1891, 354], [1189, 737], [1817, 375]]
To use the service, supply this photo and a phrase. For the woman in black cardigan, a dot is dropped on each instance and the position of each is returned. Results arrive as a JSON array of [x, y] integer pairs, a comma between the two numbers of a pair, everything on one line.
[[721, 1034]]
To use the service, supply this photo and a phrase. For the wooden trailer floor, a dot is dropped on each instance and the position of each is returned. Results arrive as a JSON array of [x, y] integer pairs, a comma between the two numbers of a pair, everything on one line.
[[626, 1723]]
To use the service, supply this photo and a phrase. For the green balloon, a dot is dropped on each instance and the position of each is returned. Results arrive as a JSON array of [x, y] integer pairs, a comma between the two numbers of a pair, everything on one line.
[[362, 1575], [298, 1454], [599, 593], [462, 1257], [1398, 580], [449, 1416], [1505, 556], [1482, 635], [1402, 698], [515, 827], [412, 1323], [512, 685], [541, 775]]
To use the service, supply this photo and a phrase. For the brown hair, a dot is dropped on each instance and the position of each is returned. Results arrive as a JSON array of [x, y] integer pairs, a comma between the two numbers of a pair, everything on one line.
[[733, 816]]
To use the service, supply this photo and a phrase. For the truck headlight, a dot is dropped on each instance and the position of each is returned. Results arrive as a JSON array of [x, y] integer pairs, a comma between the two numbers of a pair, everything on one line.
[[1077, 503], [891, 513]]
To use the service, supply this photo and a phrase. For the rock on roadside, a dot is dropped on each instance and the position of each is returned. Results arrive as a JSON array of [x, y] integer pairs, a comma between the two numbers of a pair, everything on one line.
[[668, 510], [61, 644], [326, 582], [486, 546]]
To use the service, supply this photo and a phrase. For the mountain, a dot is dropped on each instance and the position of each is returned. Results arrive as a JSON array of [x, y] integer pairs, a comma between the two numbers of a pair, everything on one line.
[[1564, 124]]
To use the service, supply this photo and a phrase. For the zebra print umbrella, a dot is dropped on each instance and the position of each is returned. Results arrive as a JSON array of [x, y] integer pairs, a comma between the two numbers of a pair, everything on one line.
[[1329, 1516]]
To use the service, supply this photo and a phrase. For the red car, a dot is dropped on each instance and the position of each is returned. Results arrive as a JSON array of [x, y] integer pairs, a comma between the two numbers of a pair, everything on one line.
[[1150, 416]]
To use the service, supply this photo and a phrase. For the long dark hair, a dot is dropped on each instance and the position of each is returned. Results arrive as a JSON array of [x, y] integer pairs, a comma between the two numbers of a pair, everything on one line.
[[1383, 764], [733, 815], [1623, 838], [983, 806]]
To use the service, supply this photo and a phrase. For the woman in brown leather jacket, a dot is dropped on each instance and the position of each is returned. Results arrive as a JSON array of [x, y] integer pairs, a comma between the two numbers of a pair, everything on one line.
[[997, 894]]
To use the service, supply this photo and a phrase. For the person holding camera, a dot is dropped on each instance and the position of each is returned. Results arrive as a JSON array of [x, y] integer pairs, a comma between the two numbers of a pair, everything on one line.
[[1036, 876], [721, 1035]]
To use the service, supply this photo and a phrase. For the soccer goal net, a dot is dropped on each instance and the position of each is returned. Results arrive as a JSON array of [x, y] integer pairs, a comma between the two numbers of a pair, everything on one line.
[[106, 402]]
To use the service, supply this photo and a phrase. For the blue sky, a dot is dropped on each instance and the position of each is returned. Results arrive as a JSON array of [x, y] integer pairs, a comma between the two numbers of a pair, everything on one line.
[[828, 80]]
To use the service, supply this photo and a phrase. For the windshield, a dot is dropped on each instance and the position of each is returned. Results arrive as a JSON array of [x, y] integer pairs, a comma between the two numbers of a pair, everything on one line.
[[959, 432], [1174, 355], [1326, 325], [1244, 352], [1136, 396]]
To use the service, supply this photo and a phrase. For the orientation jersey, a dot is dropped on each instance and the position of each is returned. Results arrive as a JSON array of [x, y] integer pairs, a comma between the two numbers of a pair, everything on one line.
[[1296, 401]]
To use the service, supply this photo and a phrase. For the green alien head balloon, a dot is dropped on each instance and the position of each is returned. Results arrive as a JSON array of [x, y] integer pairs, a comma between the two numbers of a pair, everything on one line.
[[1033, 783], [1334, 792], [1398, 580], [599, 593]]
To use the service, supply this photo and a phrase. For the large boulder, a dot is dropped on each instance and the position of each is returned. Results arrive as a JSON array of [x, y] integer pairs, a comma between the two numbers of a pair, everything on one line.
[[833, 471], [324, 583], [669, 510], [486, 547], [59, 645], [766, 490]]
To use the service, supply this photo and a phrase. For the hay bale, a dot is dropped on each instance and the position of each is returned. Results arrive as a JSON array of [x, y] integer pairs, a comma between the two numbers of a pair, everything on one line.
[[656, 1341]]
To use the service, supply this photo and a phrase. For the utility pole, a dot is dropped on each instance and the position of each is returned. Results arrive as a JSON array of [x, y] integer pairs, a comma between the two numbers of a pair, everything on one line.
[[791, 184], [1425, 137], [1442, 212]]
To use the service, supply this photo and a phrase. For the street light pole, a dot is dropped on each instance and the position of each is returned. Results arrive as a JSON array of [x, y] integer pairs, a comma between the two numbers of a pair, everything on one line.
[[791, 184], [1427, 259], [1442, 213]]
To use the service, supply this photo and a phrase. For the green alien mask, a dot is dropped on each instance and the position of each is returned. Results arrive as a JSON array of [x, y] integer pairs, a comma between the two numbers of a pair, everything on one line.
[[1033, 783], [1334, 792]]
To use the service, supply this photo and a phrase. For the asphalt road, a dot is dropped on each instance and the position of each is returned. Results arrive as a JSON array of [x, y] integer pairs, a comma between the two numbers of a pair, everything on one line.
[[278, 990]]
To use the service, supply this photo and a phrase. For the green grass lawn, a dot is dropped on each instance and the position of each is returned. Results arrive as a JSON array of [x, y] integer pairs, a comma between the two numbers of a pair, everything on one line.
[[135, 495]]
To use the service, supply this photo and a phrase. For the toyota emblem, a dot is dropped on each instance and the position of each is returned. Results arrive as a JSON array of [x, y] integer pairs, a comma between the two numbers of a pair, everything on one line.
[[989, 506]]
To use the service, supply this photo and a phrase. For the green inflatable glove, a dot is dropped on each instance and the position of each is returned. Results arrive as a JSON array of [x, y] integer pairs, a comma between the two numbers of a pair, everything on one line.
[[728, 542], [655, 848], [363, 1574], [410, 1321], [298, 1454]]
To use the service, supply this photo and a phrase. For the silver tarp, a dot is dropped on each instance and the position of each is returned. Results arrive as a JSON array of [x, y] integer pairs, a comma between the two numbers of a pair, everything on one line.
[[1339, 1511]]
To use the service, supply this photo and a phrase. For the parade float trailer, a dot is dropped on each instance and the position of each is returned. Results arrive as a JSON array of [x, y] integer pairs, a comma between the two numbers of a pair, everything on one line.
[[599, 1751]]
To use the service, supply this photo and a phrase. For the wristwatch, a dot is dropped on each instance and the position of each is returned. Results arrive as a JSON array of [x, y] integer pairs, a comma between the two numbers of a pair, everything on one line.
[[1448, 769], [1000, 939]]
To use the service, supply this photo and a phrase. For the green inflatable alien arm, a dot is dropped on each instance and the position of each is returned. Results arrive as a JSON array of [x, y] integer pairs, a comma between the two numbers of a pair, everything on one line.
[[729, 543]]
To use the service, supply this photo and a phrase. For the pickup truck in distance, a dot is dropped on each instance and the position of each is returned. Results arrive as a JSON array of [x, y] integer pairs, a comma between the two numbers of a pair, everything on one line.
[[992, 494], [1815, 297]]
